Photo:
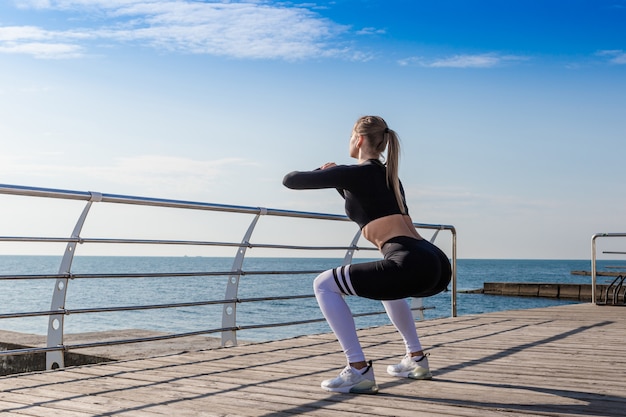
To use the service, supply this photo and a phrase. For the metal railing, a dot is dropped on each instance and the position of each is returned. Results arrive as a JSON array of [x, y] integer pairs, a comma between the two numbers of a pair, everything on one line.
[[55, 346], [618, 283]]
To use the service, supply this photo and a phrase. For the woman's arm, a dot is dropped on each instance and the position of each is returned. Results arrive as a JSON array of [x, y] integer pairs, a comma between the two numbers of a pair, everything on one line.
[[328, 176]]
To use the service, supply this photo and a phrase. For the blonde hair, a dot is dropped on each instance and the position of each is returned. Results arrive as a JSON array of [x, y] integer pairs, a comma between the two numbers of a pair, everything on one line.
[[379, 137]]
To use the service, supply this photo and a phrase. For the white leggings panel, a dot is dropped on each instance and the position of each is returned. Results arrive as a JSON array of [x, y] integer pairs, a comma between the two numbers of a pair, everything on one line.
[[339, 317], [338, 314], [400, 314]]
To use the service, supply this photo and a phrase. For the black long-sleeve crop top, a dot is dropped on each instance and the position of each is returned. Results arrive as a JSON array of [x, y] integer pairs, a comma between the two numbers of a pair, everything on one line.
[[363, 186]]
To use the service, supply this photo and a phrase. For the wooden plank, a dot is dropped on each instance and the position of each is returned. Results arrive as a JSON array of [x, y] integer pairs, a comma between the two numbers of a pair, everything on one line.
[[562, 361]]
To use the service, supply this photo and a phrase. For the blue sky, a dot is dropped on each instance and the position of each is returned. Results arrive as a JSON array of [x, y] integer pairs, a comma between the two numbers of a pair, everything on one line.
[[511, 113]]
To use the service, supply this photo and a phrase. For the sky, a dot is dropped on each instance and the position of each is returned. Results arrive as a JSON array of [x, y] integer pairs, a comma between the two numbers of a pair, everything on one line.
[[511, 114]]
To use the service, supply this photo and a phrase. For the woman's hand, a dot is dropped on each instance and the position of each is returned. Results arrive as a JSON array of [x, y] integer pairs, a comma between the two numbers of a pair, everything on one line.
[[328, 165]]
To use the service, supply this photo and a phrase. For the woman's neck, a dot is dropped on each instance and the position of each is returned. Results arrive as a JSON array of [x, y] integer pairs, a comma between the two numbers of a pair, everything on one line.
[[366, 156]]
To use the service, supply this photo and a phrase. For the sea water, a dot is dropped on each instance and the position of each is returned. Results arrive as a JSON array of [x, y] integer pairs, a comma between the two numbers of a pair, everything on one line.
[[35, 295]]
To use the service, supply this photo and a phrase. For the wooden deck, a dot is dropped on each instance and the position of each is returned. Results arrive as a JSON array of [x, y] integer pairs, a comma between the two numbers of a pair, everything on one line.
[[559, 361]]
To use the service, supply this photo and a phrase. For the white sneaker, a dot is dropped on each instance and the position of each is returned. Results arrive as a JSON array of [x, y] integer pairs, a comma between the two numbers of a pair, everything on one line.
[[353, 381], [411, 367]]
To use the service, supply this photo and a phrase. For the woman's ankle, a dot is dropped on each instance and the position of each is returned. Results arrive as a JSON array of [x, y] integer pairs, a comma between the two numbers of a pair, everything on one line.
[[358, 365]]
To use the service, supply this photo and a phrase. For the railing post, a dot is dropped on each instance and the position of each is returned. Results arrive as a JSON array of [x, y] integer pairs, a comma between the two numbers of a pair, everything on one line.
[[350, 252], [55, 359], [229, 312], [454, 283], [593, 268]]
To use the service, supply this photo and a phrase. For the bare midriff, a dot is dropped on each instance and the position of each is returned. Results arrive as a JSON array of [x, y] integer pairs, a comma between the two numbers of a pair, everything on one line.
[[380, 230]]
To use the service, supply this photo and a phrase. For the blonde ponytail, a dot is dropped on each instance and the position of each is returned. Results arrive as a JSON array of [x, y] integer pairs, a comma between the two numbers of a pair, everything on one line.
[[393, 163], [379, 136]]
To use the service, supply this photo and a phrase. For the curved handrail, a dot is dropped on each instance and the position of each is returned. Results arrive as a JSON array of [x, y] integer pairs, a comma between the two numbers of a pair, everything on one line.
[[55, 346], [594, 259]]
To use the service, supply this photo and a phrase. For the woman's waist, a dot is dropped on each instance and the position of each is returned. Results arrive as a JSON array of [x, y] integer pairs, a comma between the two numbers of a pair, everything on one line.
[[384, 229], [399, 242]]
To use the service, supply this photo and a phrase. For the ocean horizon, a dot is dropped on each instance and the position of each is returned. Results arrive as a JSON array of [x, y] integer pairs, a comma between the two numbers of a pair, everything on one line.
[[35, 295]]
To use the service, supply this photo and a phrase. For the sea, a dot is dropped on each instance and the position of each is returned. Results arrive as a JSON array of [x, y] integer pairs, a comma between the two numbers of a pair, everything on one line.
[[30, 296]]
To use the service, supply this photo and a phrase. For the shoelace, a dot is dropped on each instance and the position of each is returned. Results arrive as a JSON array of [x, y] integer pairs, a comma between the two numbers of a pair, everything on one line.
[[347, 370]]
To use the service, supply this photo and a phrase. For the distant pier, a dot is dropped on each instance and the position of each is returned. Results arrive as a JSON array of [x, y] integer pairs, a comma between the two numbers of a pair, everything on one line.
[[578, 292], [601, 273]]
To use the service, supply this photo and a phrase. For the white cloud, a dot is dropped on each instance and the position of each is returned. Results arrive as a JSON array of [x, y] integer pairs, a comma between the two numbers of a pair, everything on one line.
[[616, 56], [243, 29], [487, 60], [42, 50], [152, 173], [450, 201], [16, 33], [40, 43], [371, 31]]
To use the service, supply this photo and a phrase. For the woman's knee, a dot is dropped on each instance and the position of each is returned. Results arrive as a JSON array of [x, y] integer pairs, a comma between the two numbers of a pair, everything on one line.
[[325, 282]]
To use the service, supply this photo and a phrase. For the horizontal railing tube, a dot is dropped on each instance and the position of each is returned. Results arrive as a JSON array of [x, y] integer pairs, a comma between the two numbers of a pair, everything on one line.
[[154, 275]]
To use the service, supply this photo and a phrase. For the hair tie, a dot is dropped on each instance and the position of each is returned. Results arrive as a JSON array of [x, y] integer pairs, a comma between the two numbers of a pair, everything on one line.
[[386, 130]]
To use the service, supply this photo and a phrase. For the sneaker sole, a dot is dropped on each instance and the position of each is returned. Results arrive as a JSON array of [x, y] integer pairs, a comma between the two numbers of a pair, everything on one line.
[[420, 377], [366, 390], [423, 377], [354, 389]]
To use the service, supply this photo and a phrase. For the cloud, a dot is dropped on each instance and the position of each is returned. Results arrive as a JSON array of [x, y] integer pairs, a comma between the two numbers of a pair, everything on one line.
[[246, 29], [459, 203], [152, 173], [42, 50], [371, 31], [40, 43], [616, 56], [487, 60]]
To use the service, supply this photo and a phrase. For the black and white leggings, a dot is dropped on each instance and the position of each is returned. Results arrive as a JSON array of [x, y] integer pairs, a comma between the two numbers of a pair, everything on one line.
[[410, 267]]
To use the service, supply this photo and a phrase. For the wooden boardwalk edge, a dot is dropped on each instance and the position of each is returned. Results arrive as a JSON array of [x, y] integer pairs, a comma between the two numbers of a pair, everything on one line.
[[558, 361]]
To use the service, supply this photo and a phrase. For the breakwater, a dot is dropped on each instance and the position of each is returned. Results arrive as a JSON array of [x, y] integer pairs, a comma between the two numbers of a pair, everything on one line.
[[579, 292]]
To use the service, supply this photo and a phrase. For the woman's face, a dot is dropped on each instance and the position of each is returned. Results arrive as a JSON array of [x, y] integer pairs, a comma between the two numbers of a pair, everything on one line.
[[354, 150]]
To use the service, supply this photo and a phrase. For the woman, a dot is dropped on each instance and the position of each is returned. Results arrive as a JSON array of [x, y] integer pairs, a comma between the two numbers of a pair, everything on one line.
[[412, 266]]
